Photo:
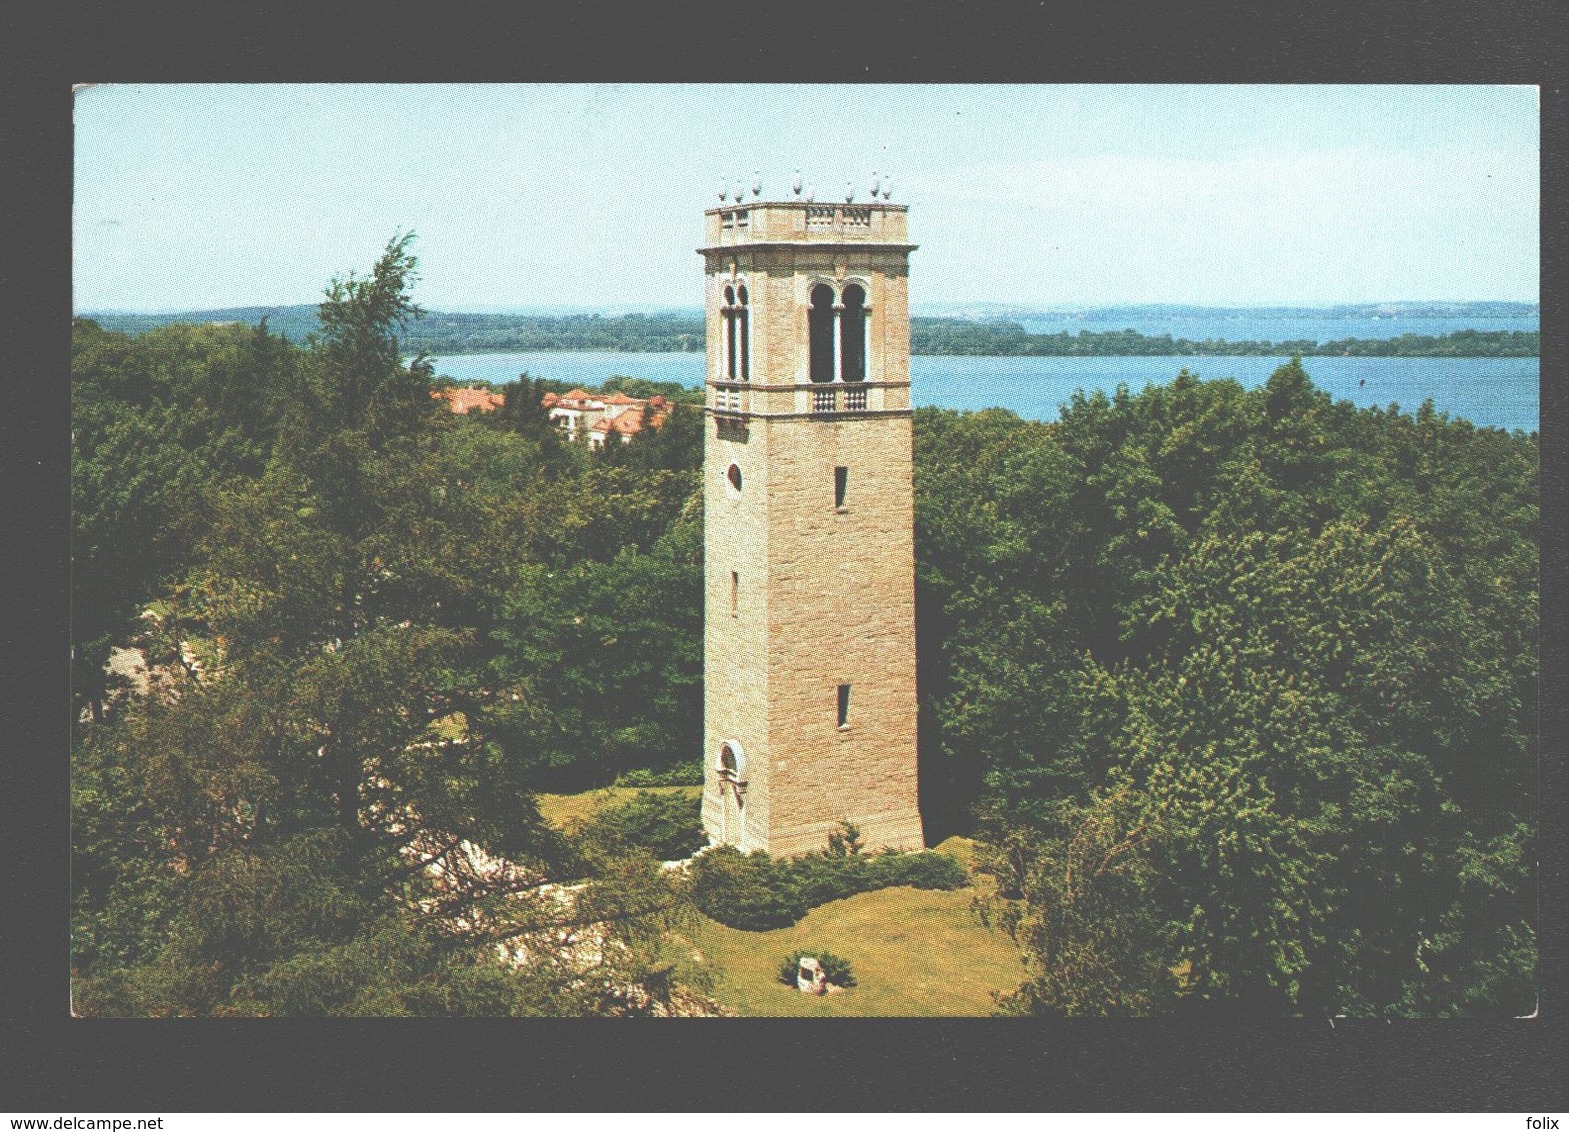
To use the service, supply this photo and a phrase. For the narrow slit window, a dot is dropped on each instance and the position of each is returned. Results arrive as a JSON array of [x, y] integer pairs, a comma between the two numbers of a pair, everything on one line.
[[841, 483], [735, 592], [844, 705]]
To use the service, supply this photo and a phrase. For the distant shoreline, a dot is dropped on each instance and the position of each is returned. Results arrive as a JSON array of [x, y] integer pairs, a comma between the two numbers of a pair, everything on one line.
[[451, 335], [955, 337]]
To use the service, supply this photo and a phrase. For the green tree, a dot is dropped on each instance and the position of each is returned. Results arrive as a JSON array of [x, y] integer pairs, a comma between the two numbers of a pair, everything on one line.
[[335, 828], [523, 412], [159, 424], [607, 662], [676, 445], [1295, 637], [1089, 922]]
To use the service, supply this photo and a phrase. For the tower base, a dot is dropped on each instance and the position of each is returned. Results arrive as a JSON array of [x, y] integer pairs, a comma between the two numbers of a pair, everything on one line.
[[898, 829]]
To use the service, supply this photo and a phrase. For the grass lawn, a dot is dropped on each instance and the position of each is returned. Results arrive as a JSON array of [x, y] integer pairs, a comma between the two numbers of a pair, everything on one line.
[[961, 849], [914, 953], [564, 810]]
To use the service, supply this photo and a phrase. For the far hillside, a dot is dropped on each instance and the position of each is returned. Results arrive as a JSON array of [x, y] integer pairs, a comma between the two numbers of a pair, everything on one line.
[[445, 333]]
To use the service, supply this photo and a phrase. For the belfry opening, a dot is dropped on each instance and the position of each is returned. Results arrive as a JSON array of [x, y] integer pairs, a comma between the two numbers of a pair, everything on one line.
[[820, 319]]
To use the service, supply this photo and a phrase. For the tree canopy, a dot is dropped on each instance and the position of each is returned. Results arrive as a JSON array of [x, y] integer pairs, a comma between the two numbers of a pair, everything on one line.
[[327, 810], [1256, 671], [1238, 687]]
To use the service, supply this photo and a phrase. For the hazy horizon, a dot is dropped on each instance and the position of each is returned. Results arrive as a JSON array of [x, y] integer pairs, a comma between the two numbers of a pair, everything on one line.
[[1002, 306]]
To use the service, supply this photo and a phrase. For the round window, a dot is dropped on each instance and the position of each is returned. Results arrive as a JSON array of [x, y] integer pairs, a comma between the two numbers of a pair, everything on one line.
[[734, 476]]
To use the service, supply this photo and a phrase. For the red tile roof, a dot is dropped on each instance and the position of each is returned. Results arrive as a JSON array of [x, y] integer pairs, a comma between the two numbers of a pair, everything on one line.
[[465, 400], [628, 423], [618, 424]]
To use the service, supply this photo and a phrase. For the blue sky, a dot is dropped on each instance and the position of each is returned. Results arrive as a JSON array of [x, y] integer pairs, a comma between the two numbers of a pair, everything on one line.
[[190, 197]]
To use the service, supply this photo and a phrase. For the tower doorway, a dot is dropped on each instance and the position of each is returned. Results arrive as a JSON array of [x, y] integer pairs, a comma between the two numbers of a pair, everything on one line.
[[730, 769]]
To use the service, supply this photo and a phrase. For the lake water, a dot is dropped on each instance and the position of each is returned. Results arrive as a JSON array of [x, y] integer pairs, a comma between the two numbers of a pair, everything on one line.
[[1495, 392]]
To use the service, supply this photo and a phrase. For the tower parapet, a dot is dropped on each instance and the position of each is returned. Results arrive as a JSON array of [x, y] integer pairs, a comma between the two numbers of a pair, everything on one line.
[[806, 222]]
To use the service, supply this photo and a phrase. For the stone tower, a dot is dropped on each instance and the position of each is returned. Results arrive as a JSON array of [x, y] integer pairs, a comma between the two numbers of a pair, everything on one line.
[[809, 615]]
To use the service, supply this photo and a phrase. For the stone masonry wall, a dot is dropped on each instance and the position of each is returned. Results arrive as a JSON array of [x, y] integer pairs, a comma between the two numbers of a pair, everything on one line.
[[735, 645], [841, 611]]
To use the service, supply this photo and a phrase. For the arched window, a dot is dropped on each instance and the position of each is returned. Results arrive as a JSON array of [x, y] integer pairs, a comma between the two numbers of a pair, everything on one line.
[[727, 309], [744, 320], [737, 363], [820, 333], [852, 335]]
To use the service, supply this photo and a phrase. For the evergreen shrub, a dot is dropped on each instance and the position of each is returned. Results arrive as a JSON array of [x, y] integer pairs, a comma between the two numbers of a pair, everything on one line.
[[753, 892], [680, 774], [918, 870], [819, 879], [668, 826], [749, 891]]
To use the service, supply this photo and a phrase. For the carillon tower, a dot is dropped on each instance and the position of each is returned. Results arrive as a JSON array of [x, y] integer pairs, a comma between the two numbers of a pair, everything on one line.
[[809, 617]]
